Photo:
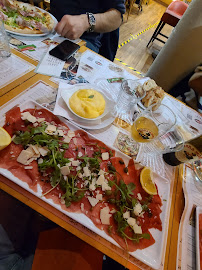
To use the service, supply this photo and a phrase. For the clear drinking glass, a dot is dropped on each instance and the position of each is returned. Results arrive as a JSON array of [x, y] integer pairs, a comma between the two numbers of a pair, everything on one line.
[[4, 43], [129, 95], [172, 141], [4, 47], [150, 124]]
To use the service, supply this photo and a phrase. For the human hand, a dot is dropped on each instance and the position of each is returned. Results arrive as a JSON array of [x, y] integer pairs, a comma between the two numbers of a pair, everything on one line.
[[72, 26]]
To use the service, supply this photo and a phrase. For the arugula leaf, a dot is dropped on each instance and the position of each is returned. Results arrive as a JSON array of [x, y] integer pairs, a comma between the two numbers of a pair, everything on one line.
[[55, 177], [64, 146], [23, 138], [121, 222], [72, 193], [146, 235], [134, 202], [94, 162], [131, 186], [40, 129]]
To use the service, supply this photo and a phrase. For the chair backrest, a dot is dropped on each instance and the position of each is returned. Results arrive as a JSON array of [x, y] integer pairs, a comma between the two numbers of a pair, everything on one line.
[[174, 12]]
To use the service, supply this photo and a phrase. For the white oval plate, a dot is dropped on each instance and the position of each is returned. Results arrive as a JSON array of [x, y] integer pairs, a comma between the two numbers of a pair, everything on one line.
[[67, 93], [36, 35]]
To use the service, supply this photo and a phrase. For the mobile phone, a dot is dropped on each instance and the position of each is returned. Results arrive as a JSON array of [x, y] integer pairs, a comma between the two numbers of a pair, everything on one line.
[[64, 50]]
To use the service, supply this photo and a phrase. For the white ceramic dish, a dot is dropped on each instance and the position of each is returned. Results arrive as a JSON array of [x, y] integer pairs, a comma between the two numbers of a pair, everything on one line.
[[102, 123], [152, 255], [67, 93], [36, 35], [198, 212]]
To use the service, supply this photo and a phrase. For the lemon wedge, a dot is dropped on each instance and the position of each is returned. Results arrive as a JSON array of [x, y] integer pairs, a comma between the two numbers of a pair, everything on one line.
[[5, 138], [146, 180]]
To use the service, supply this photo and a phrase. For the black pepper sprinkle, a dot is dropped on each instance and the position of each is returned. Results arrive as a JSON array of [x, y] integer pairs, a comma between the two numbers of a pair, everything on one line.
[[125, 170], [8, 124], [149, 212], [121, 162]]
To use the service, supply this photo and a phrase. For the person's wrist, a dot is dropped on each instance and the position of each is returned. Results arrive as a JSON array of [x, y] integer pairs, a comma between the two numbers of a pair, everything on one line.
[[86, 24]]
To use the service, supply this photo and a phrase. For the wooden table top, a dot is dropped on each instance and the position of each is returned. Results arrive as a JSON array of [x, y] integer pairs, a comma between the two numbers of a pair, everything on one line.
[[177, 201]]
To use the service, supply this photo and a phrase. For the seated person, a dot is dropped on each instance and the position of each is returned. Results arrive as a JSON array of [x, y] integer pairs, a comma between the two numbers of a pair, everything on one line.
[[195, 82], [90, 20]]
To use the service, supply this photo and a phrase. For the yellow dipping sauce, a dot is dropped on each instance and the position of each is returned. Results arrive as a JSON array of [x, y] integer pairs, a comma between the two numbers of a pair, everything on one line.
[[87, 103]]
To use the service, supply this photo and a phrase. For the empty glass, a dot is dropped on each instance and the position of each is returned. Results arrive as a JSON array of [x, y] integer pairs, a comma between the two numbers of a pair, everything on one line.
[[129, 95]]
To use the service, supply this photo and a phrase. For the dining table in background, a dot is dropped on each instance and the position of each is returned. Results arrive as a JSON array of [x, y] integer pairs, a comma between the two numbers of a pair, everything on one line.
[[21, 86]]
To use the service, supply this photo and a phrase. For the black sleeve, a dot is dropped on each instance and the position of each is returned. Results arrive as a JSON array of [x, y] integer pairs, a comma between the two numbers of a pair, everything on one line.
[[116, 4], [119, 5]]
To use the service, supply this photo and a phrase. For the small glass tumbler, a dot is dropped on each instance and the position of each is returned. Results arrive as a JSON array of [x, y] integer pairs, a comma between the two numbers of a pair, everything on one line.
[[150, 125], [129, 95], [4, 43]]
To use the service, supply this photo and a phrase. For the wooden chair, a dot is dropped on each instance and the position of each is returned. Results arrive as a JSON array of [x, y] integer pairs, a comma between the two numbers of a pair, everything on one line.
[[59, 249], [172, 15]]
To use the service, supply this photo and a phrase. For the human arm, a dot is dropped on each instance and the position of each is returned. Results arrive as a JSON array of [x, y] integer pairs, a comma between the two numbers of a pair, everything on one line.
[[73, 26]]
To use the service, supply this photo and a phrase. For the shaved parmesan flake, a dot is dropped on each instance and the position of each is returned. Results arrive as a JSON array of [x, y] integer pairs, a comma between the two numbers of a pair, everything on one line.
[[50, 129], [71, 133], [137, 209], [92, 185], [105, 215], [105, 156], [65, 170], [66, 139], [126, 215], [93, 201], [80, 154], [39, 120], [86, 172], [99, 197], [75, 163], [82, 207], [28, 167], [100, 180], [137, 229], [28, 116], [131, 221]]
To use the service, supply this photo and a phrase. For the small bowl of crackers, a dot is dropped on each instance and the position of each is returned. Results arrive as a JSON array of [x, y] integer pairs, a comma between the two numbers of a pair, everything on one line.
[[154, 95]]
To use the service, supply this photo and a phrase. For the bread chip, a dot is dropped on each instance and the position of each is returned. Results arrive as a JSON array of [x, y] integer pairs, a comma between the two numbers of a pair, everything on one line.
[[153, 96], [150, 84]]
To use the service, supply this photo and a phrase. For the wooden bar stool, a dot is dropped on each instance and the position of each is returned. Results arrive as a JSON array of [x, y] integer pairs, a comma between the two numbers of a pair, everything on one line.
[[172, 15]]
